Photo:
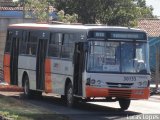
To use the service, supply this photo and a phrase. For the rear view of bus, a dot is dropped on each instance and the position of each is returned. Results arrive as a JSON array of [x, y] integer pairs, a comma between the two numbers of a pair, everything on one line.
[[117, 66]]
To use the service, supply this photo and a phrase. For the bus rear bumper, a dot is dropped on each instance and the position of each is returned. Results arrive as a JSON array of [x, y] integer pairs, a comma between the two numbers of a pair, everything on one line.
[[142, 93]]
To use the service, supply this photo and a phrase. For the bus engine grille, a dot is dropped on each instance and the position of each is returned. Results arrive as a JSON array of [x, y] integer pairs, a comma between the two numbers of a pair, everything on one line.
[[119, 85], [119, 93]]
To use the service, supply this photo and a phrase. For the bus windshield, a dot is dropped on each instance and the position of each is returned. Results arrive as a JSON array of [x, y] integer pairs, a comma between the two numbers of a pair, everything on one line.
[[121, 57]]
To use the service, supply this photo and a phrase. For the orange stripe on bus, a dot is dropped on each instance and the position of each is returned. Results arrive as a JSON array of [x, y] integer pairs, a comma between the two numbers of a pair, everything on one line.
[[6, 61], [137, 94], [7, 74], [6, 68], [96, 92], [48, 81], [117, 92]]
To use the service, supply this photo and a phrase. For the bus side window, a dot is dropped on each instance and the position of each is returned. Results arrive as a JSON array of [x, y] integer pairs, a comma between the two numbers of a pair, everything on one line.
[[8, 41], [54, 47], [32, 44], [23, 43], [67, 47]]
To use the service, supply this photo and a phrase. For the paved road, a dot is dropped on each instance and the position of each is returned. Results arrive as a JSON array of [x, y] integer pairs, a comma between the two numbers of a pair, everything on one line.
[[95, 111]]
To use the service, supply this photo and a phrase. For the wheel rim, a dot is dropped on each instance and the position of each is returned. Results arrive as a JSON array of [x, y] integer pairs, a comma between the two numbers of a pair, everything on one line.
[[69, 96]]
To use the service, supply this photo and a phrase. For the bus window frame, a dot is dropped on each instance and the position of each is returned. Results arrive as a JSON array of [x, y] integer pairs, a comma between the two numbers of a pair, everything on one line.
[[62, 40], [53, 33], [31, 43], [8, 38], [67, 45], [24, 41], [108, 40]]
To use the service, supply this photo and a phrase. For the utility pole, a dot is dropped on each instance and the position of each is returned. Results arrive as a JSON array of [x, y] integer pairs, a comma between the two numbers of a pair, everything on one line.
[[157, 67]]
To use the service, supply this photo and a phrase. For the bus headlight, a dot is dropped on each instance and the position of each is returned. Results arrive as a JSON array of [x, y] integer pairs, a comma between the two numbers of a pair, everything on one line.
[[99, 82], [93, 81], [143, 84], [88, 81], [139, 84]]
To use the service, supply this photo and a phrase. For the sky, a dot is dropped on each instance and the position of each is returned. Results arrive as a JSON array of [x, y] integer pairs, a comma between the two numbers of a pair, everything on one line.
[[156, 5]]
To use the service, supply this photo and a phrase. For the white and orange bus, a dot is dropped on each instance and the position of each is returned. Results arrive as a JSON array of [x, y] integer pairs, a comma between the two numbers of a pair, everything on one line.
[[78, 61]]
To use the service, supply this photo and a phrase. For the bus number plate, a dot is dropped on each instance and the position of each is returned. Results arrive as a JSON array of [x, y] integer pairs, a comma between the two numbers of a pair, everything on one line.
[[129, 78]]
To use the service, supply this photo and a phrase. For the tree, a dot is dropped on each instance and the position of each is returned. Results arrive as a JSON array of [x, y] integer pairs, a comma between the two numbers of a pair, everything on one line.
[[39, 9], [66, 18], [145, 12], [111, 12]]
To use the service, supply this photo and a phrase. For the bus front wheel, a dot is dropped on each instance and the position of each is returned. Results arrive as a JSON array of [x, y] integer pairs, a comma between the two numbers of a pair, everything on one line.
[[124, 104]]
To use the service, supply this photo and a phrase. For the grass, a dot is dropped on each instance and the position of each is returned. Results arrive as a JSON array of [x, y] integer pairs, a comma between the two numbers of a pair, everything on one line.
[[14, 109]]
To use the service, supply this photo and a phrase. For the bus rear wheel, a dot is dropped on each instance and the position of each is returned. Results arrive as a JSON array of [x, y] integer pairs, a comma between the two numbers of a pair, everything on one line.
[[27, 91], [70, 99], [124, 104]]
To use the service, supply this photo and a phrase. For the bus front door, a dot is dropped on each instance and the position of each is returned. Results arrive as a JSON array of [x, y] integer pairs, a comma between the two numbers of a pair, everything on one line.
[[40, 67], [78, 68], [14, 57]]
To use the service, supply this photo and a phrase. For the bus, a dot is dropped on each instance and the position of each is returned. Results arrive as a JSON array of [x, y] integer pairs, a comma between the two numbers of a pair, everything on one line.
[[78, 62]]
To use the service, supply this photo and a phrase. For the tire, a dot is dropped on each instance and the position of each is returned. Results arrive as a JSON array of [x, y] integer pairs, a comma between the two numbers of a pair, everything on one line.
[[63, 97], [70, 100], [26, 88], [124, 104]]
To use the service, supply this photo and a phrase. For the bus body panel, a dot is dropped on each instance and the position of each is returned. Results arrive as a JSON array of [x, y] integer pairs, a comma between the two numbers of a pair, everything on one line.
[[58, 83], [48, 78], [141, 93], [123, 85], [28, 66], [61, 66], [60, 71], [31, 76], [56, 71], [6, 68]]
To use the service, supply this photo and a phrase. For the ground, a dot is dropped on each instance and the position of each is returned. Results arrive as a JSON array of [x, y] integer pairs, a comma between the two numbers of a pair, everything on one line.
[[92, 110]]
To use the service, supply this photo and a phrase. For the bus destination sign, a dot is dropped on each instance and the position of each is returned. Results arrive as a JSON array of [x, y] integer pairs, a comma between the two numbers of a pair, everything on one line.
[[118, 35], [137, 36], [99, 34]]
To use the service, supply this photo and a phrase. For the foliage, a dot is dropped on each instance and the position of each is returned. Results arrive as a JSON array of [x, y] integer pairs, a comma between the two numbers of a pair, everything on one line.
[[67, 18], [51, 2], [111, 12], [19, 109], [39, 9], [8, 116]]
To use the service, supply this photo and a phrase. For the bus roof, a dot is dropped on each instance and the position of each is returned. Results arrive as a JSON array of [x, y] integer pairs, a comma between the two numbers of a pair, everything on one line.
[[73, 27]]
